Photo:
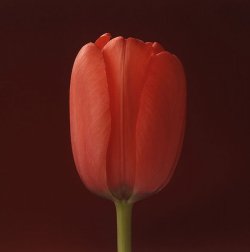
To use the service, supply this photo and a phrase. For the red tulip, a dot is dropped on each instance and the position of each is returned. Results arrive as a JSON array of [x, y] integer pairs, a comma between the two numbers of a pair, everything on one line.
[[127, 116]]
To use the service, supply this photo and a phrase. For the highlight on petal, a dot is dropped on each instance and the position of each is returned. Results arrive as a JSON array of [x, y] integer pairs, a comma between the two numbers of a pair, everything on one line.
[[90, 117], [126, 66], [103, 40], [160, 125]]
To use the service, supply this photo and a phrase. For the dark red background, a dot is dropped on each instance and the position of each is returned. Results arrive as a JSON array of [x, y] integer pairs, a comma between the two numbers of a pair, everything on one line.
[[43, 205]]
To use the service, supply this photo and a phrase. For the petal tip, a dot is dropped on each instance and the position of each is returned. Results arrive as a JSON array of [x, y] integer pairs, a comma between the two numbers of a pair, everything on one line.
[[157, 47], [103, 40]]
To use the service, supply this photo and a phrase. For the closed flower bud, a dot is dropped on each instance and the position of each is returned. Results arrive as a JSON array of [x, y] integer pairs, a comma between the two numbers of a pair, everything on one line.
[[127, 116]]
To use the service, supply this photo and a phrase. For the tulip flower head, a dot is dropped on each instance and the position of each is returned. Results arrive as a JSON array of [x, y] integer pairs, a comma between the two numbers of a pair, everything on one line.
[[127, 116]]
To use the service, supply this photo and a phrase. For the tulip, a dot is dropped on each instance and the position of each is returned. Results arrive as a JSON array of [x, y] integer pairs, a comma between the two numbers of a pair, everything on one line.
[[127, 119]]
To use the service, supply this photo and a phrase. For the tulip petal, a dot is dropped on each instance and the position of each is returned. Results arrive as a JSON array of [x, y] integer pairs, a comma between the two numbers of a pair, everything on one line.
[[157, 48], [160, 125], [90, 117], [126, 63], [103, 40]]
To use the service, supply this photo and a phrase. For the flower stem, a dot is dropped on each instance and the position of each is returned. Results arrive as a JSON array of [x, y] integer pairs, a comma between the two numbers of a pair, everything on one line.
[[123, 217]]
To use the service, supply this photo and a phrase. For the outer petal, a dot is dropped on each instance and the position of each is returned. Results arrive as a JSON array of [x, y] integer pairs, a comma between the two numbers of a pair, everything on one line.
[[160, 124], [126, 63], [90, 117]]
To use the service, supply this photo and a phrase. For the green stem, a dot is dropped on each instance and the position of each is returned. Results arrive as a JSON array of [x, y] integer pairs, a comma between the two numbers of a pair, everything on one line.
[[123, 217]]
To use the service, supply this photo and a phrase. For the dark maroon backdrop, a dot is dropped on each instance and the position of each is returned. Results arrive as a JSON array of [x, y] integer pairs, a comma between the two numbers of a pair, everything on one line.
[[43, 205]]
